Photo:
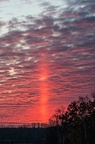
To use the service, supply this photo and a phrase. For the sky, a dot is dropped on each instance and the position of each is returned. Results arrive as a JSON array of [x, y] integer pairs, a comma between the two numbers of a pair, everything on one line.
[[47, 57]]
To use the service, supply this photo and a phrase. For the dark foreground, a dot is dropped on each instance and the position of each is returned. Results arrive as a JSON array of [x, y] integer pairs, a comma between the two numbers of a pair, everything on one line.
[[50, 135], [22, 135]]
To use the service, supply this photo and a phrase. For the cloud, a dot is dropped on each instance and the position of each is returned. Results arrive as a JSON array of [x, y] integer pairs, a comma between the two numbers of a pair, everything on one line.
[[51, 56]]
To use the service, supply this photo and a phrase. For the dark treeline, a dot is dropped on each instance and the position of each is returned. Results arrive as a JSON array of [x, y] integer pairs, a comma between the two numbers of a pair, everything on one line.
[[76, 125]]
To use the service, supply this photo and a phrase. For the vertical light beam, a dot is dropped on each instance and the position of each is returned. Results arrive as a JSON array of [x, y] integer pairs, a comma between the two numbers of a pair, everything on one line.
[[43, 77]]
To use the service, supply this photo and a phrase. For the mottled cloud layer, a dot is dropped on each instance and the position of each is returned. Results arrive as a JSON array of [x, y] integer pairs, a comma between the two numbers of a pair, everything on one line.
[[46, 61]]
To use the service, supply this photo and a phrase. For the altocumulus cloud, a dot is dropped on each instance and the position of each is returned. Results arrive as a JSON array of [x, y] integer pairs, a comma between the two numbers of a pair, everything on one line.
[[61, 41]]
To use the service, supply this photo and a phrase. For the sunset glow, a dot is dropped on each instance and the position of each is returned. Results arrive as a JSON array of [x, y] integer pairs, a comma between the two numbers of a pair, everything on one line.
[[47, 57]]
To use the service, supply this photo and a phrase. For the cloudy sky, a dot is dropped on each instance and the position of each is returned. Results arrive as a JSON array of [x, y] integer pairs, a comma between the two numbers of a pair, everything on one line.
[[47, 56]]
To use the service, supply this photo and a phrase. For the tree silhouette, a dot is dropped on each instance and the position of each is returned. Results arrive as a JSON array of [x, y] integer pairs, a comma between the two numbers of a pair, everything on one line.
[[76, 121]]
